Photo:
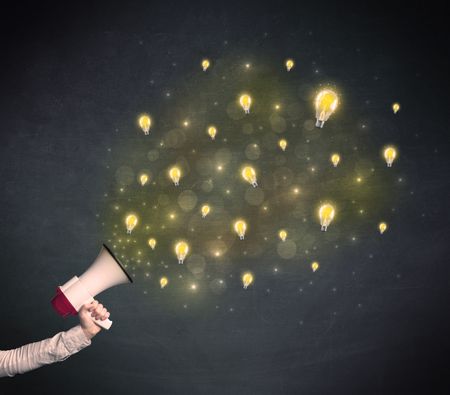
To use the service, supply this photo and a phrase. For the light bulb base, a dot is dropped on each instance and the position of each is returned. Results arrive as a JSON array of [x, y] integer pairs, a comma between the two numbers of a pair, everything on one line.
[[319, 123]]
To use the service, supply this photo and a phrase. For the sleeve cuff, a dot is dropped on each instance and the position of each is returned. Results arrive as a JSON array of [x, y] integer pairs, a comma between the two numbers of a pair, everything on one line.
[[75, 339]]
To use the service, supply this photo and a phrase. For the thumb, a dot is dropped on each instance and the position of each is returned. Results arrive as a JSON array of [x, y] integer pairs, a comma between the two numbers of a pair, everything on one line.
[[89, 306]]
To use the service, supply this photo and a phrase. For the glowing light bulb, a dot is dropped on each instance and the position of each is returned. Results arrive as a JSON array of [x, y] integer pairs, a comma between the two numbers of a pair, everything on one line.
[[283, 144], [131, 222], [143, 179], [175, 175], [249, 175], [246, 102], [335, 159], [212, 131], [240, 228], [289, 64], [205, 210], [247, 279], [145, 122], [326, 103], [205, 64], [326, 215], [282, 234], [314, 266], [181, 250], [382, 227], [152, 243], [396, 107], [163, 281], [389, 154]]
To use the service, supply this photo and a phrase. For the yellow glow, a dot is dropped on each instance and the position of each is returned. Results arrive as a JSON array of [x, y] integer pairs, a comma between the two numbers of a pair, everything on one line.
[[205, 64], [277, 106], [247, 279], [193, 287], [163, 281], [181, 250], [396, 107], [326, 103], [240, 227], [143, 179], [205, 210], [152, 243], [145, 122], [212, 131], [175, 175], [131, 221], [389, 154], [283, 144], [245, 102], [382, 227], [326, 215], [335, 159], [249, 174], [289, 64], [314, 266], [282, 234]]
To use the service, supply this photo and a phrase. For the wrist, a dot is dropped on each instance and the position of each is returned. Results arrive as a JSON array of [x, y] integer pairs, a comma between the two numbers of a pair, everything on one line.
[[89, 333]]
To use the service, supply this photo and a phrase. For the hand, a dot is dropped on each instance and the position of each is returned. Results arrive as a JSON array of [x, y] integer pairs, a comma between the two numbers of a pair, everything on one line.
[[88, 313]]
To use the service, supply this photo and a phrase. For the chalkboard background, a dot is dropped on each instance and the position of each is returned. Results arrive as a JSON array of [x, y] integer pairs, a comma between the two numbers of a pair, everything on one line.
[[71, 72]]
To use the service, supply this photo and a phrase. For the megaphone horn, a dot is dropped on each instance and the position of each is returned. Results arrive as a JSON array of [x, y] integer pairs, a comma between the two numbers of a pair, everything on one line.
[[105, 272]]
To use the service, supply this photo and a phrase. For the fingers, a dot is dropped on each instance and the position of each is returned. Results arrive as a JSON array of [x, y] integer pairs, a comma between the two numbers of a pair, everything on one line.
[[100, 312], [97, 310]]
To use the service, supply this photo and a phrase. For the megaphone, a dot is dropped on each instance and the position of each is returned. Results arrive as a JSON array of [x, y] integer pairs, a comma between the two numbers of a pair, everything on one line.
[[105, 272]]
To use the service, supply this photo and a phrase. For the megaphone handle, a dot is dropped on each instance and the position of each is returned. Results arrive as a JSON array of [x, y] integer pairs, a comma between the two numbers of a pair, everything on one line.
[[105, 324]]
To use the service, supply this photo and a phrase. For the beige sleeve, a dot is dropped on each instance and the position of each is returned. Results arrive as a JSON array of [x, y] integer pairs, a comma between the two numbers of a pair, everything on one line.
[[34, 355]]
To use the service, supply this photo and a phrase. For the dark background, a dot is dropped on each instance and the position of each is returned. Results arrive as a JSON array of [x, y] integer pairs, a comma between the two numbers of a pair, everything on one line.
[[69, 71]]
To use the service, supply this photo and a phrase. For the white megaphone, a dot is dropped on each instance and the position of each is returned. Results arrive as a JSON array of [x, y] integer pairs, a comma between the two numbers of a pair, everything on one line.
[[105, 272]]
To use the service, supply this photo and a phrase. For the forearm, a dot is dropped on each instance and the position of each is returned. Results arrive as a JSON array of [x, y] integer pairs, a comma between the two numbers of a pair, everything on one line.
[[34, 355]]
